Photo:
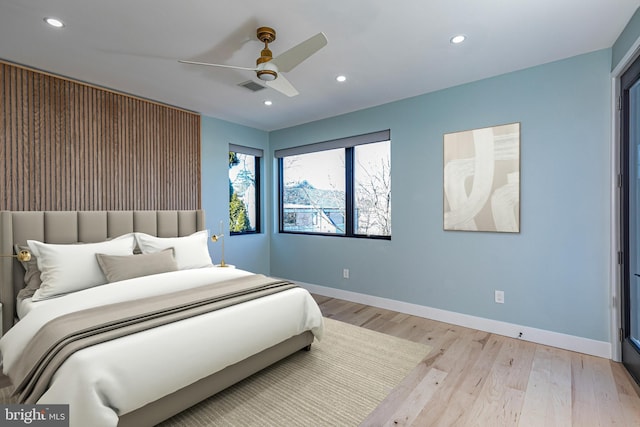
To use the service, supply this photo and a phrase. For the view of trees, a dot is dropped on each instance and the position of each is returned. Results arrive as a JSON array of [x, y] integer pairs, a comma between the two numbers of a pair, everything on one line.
[[373, 195], [314, 196], [239, 216]]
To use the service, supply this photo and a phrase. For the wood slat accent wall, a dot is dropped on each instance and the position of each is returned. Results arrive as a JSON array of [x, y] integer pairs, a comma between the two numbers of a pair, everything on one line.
[[66, 145]]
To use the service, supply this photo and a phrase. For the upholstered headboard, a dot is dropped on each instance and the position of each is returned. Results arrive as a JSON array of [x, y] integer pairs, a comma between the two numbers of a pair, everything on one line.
[[76, 227]]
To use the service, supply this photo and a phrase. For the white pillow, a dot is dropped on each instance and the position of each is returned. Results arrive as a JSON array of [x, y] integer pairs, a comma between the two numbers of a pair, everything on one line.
[[69, 268], [190, 251]]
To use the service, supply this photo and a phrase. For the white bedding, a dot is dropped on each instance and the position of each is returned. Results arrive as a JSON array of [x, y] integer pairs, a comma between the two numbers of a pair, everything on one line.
[[119, 376], [23, 306]]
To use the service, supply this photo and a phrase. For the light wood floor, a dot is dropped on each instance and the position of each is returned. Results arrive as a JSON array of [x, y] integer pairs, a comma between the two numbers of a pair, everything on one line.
[[474, 378]]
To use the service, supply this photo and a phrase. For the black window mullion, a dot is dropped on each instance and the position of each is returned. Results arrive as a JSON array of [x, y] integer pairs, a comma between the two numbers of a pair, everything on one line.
[[349, 192], [281, 194], [258, 189]]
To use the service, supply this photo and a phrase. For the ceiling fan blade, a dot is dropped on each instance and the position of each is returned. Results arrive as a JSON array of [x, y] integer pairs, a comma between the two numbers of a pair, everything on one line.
[[288, 60], [217, 65], [282, 85]]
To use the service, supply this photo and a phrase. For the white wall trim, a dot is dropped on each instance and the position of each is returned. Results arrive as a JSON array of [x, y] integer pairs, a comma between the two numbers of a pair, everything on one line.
[[540, 336]]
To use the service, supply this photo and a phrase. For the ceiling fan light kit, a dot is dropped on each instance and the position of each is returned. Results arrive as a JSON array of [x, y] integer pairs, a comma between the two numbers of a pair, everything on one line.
[[267, 75], [268, 68]]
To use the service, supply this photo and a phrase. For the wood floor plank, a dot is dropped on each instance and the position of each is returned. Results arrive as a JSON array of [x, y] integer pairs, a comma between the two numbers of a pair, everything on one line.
[[497, 406], [624, 382], [501, 397], [548, 394], [466, 394], [475, 378], [628, 392], [409, 410], [583, 400], [609, 406], [631, 409], [457, 361]]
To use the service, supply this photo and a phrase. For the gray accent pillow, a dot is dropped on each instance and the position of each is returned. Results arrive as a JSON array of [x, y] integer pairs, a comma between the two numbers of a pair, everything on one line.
[[31, 274], [123, 267]]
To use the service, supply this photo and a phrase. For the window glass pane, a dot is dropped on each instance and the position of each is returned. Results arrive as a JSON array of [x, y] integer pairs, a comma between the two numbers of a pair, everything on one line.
[[243, 195], [314, 192], [372, 186]]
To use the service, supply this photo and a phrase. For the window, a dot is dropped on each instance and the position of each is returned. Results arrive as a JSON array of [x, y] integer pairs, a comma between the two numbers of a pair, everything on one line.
[[340, 187], [244, 189]]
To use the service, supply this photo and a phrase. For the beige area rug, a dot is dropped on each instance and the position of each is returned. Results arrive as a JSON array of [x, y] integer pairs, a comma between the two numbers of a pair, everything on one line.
[[338, 383]]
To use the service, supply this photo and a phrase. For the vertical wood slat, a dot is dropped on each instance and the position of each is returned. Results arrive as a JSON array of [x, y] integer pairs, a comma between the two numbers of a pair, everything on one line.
[[66, 145]]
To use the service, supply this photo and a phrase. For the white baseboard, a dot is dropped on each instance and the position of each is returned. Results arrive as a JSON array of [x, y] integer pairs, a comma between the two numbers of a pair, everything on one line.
[[539, 336]]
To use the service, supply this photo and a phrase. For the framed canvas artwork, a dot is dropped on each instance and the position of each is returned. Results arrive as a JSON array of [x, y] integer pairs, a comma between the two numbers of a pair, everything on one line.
[[482, 179]]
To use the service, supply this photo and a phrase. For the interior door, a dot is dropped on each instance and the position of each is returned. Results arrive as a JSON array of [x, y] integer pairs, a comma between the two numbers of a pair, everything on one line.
[[630, 221]]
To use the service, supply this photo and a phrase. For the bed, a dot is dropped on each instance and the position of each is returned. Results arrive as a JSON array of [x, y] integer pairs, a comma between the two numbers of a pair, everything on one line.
[[142, 378]]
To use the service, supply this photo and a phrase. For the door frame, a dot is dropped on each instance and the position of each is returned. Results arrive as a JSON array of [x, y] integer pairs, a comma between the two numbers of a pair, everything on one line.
[[615, 270]]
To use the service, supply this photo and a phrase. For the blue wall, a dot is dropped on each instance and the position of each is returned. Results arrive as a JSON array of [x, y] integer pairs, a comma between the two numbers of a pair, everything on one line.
[[626, 40], [554, 272], [249, 252]]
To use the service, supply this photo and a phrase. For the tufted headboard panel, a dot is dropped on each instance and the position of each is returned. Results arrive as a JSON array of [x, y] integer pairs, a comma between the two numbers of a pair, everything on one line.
[[78, 227]]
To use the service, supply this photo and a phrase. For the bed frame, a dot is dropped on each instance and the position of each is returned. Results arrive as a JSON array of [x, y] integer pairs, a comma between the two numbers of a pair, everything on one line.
[[96, 226]]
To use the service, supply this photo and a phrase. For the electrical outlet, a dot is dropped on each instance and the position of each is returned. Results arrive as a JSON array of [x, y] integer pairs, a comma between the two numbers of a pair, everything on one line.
[[499, 297], [345, 273]]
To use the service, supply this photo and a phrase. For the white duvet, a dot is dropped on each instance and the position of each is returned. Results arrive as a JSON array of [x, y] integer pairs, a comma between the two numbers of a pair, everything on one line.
[[104, 381]]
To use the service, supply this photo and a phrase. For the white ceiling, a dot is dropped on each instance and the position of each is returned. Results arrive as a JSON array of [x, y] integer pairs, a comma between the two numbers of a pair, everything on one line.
[[388, 50]]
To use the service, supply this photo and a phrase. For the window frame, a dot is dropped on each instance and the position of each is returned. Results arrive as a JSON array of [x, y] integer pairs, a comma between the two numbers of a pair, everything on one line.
[[348, 144], [258, 155]]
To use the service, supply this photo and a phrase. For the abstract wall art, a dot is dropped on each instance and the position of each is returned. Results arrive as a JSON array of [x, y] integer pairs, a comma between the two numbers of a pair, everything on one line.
[[482, 179]]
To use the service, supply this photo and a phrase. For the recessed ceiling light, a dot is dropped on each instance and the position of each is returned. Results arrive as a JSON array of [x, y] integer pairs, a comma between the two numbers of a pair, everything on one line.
[[458, 39], [267, 102], [54, 22], [341, 78]]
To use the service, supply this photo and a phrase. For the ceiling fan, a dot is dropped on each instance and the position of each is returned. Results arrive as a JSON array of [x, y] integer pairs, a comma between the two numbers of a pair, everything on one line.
[[270, 69]]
